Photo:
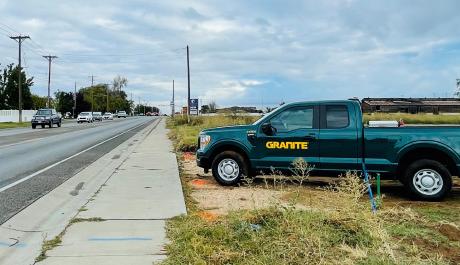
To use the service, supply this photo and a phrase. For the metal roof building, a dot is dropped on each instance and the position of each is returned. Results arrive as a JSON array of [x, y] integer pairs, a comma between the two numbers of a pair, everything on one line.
[[412, 105]]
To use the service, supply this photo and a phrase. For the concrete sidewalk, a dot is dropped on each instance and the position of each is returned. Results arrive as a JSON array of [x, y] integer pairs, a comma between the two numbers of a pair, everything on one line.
[[124, 223], [117, 208]]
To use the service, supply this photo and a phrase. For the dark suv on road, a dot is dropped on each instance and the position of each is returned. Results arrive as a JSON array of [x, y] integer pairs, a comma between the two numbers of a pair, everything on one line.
[[46, 117]]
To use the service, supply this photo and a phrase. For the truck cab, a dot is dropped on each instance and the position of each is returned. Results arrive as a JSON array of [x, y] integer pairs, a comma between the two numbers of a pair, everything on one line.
[[331, 138]]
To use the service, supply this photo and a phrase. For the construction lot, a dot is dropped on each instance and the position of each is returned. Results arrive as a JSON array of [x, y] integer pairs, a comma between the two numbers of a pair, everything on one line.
[[275, 220]]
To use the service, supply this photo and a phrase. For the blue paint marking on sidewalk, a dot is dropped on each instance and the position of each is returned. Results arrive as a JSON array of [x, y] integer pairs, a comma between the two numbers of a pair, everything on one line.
[[8, 245], [119, 238]]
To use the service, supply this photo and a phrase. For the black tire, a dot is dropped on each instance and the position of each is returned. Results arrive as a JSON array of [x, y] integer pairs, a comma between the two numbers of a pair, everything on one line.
[[59, 124], [34, 126], [43, 126], [229, 156], [50, 124], [436, 172]]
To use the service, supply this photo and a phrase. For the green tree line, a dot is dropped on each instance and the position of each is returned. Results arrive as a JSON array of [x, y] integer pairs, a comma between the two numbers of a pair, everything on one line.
[[94, 98]]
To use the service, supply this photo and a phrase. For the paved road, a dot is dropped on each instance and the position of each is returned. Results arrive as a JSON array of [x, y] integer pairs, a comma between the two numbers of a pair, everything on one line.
[[27, 151]]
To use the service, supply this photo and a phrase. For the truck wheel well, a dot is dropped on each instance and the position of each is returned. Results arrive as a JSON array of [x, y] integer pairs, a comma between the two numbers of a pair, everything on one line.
[[427, 153], [233, 148]]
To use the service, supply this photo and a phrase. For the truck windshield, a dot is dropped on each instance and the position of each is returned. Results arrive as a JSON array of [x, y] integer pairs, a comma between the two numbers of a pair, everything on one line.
[[43, 112]]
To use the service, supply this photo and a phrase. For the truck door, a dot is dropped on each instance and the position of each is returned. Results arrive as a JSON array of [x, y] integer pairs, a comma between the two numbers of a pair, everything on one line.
[[338, 137], [296, 131]]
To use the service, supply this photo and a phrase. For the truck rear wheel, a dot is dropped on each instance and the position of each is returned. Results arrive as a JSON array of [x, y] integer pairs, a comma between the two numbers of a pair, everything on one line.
[[428, 179], [229, 167]]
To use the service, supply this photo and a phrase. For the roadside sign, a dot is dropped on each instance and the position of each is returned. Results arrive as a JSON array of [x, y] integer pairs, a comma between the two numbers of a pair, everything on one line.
[[193, 106]]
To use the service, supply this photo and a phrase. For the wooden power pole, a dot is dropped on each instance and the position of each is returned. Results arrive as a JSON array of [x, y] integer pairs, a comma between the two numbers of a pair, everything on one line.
[[19, 39]]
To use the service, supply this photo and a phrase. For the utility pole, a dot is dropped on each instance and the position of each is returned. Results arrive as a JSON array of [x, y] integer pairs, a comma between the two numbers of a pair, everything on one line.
[[188, 90], [92, 92], [107, 91], [457, 92], [74, 100], [19, 39], [49, 58], [107, 98], [172, 103]]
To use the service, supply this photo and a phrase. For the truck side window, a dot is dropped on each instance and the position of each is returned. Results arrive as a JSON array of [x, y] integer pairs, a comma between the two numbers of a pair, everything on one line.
[[293, 119], [336, 116]]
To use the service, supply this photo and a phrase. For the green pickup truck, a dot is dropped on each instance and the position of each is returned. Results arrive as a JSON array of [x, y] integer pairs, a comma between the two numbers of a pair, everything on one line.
[[332, 138]]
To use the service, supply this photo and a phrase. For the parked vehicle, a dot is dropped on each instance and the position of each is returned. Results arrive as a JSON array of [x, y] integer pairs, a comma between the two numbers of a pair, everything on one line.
[[85, 117], [331, 137], [46, 117], [108, 116], [121, 114], [68, 115], [97, 116]]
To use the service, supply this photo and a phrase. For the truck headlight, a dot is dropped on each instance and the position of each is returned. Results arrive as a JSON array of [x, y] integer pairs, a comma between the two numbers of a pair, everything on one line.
[[204, 141]]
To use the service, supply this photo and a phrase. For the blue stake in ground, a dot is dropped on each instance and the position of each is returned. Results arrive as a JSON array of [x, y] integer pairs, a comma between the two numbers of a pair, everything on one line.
[[369, 188]]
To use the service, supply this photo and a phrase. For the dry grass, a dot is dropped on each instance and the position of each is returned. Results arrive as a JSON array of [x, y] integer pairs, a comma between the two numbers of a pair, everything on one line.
[[413, 118], [185, 134]]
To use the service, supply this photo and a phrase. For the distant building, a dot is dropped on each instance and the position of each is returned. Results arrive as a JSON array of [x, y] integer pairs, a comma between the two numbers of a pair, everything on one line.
[[240, 109], [412, 105]]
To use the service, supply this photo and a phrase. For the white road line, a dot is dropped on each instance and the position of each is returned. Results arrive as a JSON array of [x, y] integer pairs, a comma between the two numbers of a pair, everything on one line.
[[62, 161], [22, 142]]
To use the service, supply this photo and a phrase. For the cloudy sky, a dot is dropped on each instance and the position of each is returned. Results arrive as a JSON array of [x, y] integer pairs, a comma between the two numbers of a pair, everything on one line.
[[255, 53]]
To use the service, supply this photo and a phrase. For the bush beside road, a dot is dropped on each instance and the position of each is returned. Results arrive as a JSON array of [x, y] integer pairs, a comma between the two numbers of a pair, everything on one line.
[[271, 220]]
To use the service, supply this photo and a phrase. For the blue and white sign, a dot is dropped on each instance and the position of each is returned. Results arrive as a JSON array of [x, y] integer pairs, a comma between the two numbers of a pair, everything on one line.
[[193, 106]]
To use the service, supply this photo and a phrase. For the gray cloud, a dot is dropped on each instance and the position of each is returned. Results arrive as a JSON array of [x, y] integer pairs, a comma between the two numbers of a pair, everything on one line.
[[294, 49]]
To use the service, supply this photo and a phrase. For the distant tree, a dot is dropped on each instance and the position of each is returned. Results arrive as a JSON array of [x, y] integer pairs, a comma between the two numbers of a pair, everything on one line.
[[82, 104], [97, 97], [212, 107], [64, 101], [269, 109], [9, 96], [38, 102], [205, 109], [119, 82]]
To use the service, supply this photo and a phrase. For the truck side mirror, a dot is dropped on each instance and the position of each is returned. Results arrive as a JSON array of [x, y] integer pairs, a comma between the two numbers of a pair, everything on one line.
[[268, 129]]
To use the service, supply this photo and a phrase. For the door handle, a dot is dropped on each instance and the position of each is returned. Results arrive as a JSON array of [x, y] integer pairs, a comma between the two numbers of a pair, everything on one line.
[[310, 137]]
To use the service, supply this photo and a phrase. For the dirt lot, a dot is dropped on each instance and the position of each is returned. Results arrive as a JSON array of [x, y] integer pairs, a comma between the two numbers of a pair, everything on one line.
[[437, 232]]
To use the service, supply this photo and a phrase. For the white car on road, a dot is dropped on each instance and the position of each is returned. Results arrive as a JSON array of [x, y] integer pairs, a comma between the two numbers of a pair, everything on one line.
[[108, 116], [85, 117], [121, 114]]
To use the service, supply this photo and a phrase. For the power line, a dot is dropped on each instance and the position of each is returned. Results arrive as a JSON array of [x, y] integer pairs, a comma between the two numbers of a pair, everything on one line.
[[120, 54], [10, 28]]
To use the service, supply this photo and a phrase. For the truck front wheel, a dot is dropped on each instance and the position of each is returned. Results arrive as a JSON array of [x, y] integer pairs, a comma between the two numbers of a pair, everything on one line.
[[428, 180], [229, 167]]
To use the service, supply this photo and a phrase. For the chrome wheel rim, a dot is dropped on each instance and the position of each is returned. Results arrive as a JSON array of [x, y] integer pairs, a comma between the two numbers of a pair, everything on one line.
[[228, 169], [428, 181]]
